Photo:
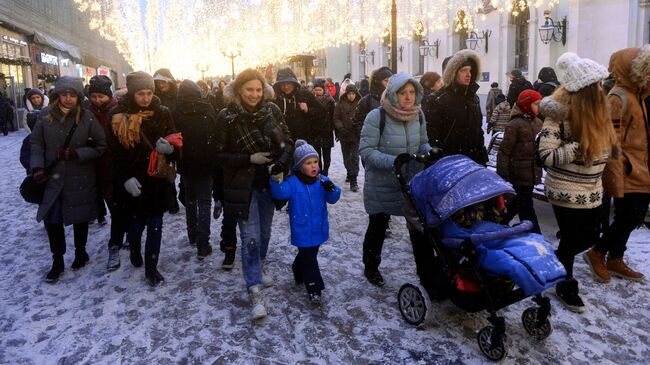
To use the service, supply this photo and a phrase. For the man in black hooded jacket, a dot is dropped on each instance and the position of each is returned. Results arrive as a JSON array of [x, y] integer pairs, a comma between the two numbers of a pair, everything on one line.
[[302, 112], [378, 80]]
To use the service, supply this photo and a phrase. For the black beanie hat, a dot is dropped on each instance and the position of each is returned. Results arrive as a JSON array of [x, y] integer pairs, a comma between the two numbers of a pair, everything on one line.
[[100, 84], [189, 89], [319, 83]]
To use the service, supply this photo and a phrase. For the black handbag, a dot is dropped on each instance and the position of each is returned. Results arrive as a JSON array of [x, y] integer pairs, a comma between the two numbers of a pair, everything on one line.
[[33, 191]]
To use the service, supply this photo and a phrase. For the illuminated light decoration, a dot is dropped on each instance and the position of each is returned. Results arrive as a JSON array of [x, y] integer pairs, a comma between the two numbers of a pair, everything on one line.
[[179, 34]]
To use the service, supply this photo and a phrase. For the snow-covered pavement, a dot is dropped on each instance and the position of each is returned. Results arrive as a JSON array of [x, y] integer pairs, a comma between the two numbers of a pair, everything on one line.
[[201, 314]]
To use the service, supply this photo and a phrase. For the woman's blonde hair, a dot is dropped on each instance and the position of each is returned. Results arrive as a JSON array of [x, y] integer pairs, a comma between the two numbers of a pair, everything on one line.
[[590, 121]]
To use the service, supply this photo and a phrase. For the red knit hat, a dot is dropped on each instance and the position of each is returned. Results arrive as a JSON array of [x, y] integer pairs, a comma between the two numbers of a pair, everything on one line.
[[526, 99]]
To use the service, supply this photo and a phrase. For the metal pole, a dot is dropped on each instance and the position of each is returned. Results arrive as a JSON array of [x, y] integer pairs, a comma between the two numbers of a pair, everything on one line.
[[393, 37], [232, 64]]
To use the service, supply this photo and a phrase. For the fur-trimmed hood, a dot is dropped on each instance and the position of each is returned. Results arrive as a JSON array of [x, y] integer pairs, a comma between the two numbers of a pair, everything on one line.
[[555, 107], [456, 62], [230, 96], [630, 66]]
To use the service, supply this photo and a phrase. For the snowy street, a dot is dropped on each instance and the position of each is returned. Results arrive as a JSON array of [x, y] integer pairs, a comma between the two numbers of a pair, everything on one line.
[[201, 315]]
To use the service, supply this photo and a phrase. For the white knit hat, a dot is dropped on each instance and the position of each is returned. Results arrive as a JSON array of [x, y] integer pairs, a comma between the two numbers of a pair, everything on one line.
[[580, 72]]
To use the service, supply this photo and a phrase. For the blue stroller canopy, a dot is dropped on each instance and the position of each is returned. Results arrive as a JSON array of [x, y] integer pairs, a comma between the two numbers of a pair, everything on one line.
[[453, 183]]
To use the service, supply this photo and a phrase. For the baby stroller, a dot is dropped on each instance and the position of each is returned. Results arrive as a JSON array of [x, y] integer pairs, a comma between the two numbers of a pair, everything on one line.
[[486, 266]]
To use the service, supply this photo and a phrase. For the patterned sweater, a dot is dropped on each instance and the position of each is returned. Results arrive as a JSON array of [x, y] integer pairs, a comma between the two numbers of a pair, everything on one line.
[[569, 181], [500, 117]]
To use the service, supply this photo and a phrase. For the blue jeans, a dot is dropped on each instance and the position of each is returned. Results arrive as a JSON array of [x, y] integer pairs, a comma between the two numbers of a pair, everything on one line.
[[154, 233], [255, 233]]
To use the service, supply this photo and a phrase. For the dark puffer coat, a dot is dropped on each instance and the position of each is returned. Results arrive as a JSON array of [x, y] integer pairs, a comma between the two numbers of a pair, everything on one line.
[[516, 157], [323, 131], [197, 121], [73, 181], [517, 85], [453, 113], [344, 116], [371, 101], [134, 162], [240, 175], [547, 82]]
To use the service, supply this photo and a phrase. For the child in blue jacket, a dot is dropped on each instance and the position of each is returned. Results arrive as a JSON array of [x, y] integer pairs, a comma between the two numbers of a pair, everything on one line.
[[307, 191]]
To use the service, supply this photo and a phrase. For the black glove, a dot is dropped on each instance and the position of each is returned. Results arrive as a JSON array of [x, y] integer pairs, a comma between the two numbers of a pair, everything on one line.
[[404, 158], [328, 185], [276, 168]]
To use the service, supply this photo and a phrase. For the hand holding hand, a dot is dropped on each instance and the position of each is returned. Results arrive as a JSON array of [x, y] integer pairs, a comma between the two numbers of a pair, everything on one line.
[[260, 158], [163, 146]]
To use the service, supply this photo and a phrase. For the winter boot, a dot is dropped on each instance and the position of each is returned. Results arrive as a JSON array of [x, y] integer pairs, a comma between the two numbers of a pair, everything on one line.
[[204, 249], [154, 278], [596, 262], [228, 260], [267, 279], [113, 258], [618, 267], [257, 302], [136, 254], [374, 277], [567, 292], [315, 298], [297, 275], [347, 179], [353, 185], [80, 259], [57, 269]]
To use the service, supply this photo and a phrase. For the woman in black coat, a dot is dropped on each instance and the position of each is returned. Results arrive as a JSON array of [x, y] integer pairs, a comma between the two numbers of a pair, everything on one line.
[[138, 125]]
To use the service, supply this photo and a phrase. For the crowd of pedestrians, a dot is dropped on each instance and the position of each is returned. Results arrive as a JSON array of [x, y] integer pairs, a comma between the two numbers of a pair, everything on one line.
[[253, 146]]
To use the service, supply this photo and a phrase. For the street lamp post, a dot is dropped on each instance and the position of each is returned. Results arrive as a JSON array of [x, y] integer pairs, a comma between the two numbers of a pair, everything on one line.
[[203, 70], [393, 36], [232, 57]]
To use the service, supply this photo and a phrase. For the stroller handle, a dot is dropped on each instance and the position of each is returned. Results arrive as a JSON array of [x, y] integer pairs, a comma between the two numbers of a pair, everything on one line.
[[476, 238], [404, 158]]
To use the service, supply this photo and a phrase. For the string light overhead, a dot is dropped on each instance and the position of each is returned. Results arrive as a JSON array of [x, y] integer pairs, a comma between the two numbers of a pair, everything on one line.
[[179, 34]]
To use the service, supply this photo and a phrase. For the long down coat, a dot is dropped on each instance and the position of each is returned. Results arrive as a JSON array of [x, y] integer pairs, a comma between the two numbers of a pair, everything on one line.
[[73, 180]]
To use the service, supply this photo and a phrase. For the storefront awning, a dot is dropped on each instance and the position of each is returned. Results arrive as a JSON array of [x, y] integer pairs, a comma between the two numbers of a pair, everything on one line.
[[57, 44]]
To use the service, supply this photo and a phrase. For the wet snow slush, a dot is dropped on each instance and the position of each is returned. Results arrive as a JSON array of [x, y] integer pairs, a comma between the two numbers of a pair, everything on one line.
[[202, 316]]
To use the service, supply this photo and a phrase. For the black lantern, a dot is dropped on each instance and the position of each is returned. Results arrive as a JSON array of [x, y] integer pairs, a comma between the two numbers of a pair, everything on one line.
[[552, 30], [474, 39]]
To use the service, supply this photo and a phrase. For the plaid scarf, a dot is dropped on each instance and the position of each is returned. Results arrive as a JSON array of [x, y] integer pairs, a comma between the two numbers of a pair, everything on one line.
[[255, 130]]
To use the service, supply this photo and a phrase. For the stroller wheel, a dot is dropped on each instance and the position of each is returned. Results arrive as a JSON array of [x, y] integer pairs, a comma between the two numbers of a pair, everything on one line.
[[491, 345], [412, 304], [538, 331]]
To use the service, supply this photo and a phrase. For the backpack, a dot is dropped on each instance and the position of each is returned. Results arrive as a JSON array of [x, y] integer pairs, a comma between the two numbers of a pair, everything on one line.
[[382, 120]]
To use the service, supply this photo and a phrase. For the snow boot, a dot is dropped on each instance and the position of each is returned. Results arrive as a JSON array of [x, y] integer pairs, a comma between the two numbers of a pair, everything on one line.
[[567, 292], [57, 269], [203, 250], [113, 258], [347, 179], [154, 278], [374, 277], [135, 255], [354, 187], [80, 259], [267, 279], [297, 275], [228, 260], [618, 267], [596, 262], [315, 299], [257, 302]]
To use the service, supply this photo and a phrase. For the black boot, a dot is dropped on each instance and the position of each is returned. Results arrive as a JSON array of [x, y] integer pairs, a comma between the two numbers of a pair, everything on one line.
[[136, 254], [80, 239], [204, 249], [154, 278], [57, 269]]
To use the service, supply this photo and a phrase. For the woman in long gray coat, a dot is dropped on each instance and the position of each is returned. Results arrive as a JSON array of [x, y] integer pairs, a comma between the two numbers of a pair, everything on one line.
[[404, 131], [71, 191]]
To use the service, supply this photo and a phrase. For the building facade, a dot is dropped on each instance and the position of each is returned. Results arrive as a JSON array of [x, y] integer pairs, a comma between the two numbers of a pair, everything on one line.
[[42, 40], [594, 29]]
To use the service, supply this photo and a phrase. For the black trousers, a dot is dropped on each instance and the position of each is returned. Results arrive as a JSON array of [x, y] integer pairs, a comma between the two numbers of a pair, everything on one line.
[[522, 205], [373, 242], [580, 231], [56, 235], [324, 157], [119, 223], [228, 233], [629, 213], [305, 267]]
